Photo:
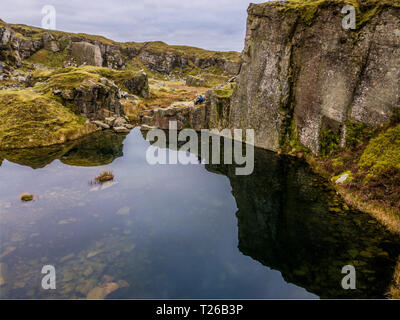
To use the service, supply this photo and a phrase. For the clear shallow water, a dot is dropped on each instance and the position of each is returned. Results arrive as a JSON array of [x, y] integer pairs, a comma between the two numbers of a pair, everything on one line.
[[177, 231]]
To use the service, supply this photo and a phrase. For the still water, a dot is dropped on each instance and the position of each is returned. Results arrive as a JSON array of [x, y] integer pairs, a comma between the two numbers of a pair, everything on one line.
[[175, 231]]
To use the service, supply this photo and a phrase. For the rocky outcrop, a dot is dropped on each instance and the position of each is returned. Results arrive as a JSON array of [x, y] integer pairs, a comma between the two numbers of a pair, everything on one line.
[[213, 114], [138, 85], [310, 80], [86, 53], [22, 42], [161, 58], [118, 124], [192, 81], [186, 114], [96, 100]]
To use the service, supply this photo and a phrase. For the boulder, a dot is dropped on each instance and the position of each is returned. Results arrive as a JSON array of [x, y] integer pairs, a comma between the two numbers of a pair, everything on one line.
[[192, 81], [138, 85], [121, 130], [119, 122], [110, 121], [101, 124], [86, 53]]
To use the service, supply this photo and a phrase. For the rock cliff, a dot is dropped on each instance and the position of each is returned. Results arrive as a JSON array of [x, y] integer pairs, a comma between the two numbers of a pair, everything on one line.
[[304, 77], [18, 42]]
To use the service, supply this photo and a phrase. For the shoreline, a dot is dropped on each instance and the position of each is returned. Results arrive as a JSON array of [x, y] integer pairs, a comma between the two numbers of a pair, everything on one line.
[[389, 218]]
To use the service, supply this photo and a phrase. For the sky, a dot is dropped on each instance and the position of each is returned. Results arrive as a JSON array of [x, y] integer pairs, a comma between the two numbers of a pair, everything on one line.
[[209, 24]]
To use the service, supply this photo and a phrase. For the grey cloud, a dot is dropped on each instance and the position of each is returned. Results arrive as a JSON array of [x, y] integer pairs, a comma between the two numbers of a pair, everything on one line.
[[210, 24]]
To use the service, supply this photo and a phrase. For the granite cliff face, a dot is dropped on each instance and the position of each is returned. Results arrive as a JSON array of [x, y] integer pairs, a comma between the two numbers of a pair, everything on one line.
[[311, 79]]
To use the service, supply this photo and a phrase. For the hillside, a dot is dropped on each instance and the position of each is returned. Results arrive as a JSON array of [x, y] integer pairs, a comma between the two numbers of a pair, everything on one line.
[[70, 85], [57, 48]]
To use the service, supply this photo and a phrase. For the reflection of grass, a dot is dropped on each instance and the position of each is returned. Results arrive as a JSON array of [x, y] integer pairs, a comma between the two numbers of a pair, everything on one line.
[[26, 197], [103, 177], [394, 292]]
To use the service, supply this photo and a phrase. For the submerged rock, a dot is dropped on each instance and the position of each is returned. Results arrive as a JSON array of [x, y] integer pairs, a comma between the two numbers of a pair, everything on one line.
[[105, 289], [7, 252]]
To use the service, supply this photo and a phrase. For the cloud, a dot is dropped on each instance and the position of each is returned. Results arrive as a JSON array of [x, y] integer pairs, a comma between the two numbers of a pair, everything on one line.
[[210, 24]]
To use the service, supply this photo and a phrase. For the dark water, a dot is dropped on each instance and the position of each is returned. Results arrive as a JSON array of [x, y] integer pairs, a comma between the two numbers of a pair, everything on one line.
[[178, 231]]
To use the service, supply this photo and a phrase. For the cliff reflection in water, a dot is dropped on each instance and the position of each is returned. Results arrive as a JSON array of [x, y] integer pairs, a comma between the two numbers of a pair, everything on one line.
[[291, 220], [288, 220], [97, 149]]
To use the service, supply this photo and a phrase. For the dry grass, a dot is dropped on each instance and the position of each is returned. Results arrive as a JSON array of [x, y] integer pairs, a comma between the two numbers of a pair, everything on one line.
[[103, 177], [165, 93], [394, 291]]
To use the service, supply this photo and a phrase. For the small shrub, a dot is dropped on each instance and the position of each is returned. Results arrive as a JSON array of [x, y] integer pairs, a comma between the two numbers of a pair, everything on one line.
[[26, 197], [103, 177]]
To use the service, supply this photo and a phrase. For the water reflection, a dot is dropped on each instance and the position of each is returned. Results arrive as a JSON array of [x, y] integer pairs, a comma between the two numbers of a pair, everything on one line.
[[291, 220], [171, 231], [100, 148]]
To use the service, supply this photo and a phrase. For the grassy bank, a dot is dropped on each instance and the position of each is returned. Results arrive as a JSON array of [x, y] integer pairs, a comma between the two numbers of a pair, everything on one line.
[[28, 119], [373, 169]]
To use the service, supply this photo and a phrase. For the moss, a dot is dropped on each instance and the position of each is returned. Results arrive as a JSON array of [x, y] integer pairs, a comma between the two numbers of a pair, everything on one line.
[[382, 155], [366, 9], [73, 77], [395, 118], [329, 142], [357, 133], [161, 47], [28, 119], [223, 93], [64, 79], [48, 58], [115, 75]]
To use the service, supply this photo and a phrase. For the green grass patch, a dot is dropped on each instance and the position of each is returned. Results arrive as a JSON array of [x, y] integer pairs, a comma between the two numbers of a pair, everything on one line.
[[223, 93], [366, 9], [382, 155], [48, 58], [329, 142], [28, 119]]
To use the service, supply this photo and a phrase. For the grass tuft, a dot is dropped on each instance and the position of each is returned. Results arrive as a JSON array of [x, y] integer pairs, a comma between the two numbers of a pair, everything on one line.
[[26, 197], [103, 177]]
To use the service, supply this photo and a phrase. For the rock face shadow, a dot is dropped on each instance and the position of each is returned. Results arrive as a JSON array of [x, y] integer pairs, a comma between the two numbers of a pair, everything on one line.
[[291, 221]]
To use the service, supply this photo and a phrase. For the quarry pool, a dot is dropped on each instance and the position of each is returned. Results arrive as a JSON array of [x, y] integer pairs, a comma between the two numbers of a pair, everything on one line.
[[175, 231]]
